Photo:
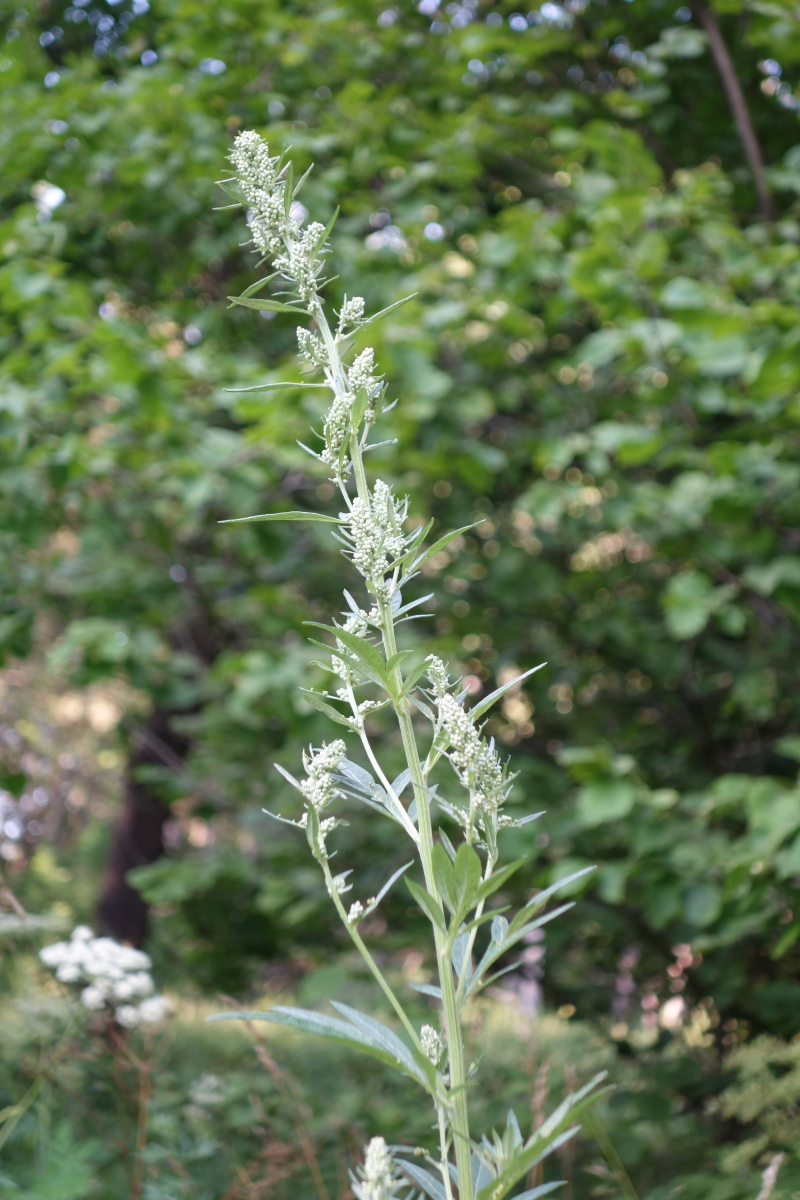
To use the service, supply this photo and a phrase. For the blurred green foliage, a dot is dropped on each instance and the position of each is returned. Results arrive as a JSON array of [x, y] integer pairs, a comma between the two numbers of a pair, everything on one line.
[[600, 365]]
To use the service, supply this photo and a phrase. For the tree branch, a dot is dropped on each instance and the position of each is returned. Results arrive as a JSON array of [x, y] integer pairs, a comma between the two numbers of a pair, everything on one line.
[[738, 104]]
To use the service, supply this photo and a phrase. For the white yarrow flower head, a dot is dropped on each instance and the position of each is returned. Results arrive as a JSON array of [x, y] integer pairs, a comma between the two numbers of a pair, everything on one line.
[[109, 973]]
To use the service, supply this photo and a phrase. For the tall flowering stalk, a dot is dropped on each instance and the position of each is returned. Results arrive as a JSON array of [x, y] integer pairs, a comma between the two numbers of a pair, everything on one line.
[[369, 673]]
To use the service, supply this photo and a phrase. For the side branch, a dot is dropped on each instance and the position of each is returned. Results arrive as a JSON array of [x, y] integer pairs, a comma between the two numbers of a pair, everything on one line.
[[738, 104]]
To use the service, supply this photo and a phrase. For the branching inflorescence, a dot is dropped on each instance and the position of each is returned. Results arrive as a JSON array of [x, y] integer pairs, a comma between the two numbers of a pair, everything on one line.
[[456, 883]]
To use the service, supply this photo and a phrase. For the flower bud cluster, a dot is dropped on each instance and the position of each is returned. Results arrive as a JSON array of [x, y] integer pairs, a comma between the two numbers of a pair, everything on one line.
[[312, 347], [378, 1178], [114, 975], [336, 430], [476, 764], [438, 676], [376, 534], [361, 374], [352, 311], [432, 1044], [318, 786], [296, 253], [301, 262], [262, 190]]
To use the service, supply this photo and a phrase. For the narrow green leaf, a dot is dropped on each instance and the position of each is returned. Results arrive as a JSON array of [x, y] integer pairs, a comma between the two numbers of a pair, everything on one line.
[[330, 1027], [429, 1184], [358, 409], [497, 880], [379, 1035], [302, 180], [326, 233], [544, 896], [288, 190], [328, 709], [369, 658], [264, 305], [429, 906], [444, 876], [488, 701], [396, 660], [258, 285], [384, 311], [284, 516], [263, 387], [467, 873], [440, 545]]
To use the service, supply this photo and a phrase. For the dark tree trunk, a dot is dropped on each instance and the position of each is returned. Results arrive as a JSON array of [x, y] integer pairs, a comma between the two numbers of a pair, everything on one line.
[[139, 833]]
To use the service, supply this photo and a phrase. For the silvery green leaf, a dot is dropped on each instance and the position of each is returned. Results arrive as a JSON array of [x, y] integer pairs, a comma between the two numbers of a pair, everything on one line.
[[384, 311], [283, 820], [448, 845], [401, 782], [428, 989], [412, 812], [429, 906], [332, 713], [443, 541], [262, 387], [379, 1035], [413, 604], [542, 1190], [259, 284], [495, 881], [284, 516], [400, 871], [479, 709], [544, 896], [526, 820], [342, 1031], [499, 929], [423, 708], [369, 658], [291, 779], [547, 1138], [460, 947], [429, 1183], [264, 305], [357, 775]]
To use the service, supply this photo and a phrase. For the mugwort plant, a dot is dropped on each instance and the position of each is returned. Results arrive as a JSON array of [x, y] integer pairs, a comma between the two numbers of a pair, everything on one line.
[[370, 674]]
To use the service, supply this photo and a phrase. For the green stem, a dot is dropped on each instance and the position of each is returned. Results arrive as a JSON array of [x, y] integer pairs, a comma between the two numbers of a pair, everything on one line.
[[455, 1042], [459, 1119], [368, 959]]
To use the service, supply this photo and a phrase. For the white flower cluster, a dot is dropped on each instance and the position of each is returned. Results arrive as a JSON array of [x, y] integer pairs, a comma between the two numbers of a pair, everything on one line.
[[262, 190], [336, 431], [296, 253], [361, 374], [438, 675], [318, 786], [378, 1178], [476, 764], [312, 347], [352, 311], [432, 1044], [319, 790], [115, 976], [376, 534]]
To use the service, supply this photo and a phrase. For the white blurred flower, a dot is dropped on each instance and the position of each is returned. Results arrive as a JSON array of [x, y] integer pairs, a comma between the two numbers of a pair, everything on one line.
[[68, 973], [127, 1015], [92, 997], [154, 1009]]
